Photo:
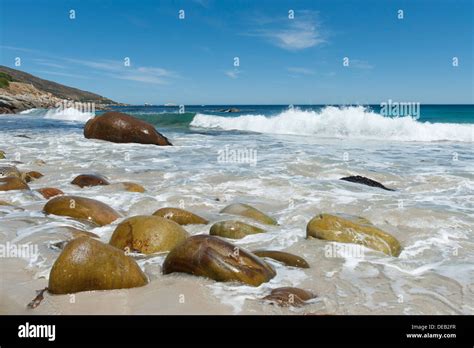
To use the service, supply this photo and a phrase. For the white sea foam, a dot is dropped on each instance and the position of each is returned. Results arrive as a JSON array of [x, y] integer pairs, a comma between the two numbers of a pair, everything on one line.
[[68, 114], [340, 122]]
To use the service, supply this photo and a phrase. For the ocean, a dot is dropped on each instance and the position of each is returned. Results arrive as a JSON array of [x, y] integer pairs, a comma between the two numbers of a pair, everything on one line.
[[286, 161]]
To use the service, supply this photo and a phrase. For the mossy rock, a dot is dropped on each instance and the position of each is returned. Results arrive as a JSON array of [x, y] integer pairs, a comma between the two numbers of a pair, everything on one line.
[[86, 264], [212, 257], [249, 212], [234, 229], [10, 171], [181, 216], [12, 183], [289, 296], [281, 256], [2, 154], [352, 230], [82, 208], [148, 234]]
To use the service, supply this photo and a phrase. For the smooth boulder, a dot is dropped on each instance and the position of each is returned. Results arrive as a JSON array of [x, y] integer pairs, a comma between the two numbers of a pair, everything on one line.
[[352, 229], [281, 256], [233, 229], [212, 257], [249, 212], [82, 208], [49, 192], [32, 175], [289, 296], [117, 127], [86, 264], [12, 183], [181, 216], [88, 180], [148, 234]]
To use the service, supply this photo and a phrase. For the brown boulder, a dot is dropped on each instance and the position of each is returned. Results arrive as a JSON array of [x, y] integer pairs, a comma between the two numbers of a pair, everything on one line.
[[86, 264], [288, 296], [180, 216], [49, 192], [12, 183], [82, 208], [148, 234], [86, 180], [212, 257], [286, 258], [122, 128]]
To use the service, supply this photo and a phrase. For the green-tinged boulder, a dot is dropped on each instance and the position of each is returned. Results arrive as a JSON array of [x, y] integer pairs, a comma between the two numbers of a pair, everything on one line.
[[288, 296], [148, 234], [180, 216], [2, 154], [350, 229], [86, 264], [233, 229], [10, 171], [250, 212], [214, 258], [81, 208], [281, 256], [11, 183]]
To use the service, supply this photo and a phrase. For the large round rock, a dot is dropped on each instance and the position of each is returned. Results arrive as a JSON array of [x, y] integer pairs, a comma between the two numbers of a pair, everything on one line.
[[82, 208], [87, 180], [148, 234], [214, 258], [180, 216], [86, 264], [12, 183], [352, 229], [122, 128]]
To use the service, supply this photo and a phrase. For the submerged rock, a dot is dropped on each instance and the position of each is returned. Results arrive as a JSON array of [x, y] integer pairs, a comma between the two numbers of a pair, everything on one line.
[[122, 128], [82, 208], [214, 258], [180, 216], [352, 230], [49, 192], [148, 234], [87, 180], [286, 258], [32, 175], [365, 181], [132, 187], [289, 296], [86, 264], [9, 171], [233, 229], [250, 212], [12, 183]]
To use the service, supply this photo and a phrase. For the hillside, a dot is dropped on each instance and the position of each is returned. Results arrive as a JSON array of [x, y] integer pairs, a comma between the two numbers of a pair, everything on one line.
[[20, 91]]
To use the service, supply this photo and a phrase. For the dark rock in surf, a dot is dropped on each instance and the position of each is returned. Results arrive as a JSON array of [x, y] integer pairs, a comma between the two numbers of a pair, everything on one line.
[[212, 257], [230, 110], [117, 127], [365, 181], [87, 180], [288, 296]]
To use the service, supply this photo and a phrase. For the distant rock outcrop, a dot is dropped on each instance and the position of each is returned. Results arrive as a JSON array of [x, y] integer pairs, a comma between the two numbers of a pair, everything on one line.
[[365, 181], [21, 91]]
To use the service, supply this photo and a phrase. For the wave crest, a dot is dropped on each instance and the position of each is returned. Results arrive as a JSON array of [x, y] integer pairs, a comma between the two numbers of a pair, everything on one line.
[[340, 122]]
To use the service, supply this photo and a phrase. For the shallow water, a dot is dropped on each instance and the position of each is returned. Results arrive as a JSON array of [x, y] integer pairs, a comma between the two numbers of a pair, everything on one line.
[[292, 178]]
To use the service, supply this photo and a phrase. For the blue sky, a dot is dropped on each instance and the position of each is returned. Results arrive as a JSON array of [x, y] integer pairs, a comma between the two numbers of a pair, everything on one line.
[[282, 60]]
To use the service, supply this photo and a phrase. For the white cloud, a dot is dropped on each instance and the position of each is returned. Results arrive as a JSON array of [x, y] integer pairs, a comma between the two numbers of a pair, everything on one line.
[[233, 74], [292, 34]]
